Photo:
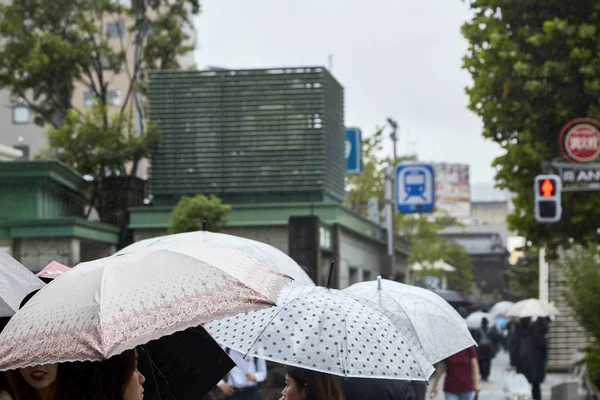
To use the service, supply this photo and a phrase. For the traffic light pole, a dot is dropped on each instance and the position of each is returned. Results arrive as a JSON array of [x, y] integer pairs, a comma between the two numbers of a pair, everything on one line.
[[544, 294]]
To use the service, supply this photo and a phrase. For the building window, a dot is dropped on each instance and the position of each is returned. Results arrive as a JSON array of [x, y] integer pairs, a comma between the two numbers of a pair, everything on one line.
[[366, 275], [106, 62], [352, 275], [88, 99], [114, 29], [21, 114], [115, 98], [325, 238]]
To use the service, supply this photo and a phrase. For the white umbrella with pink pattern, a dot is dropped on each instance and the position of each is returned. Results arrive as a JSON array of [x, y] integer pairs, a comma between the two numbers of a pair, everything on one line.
[[104, 307]]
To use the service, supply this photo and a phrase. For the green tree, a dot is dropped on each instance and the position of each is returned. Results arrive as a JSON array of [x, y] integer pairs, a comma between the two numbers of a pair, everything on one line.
[[49, 46], [534, 66], [523, 276], [97, 149], [582, 269], [422, 231], [190, 212]]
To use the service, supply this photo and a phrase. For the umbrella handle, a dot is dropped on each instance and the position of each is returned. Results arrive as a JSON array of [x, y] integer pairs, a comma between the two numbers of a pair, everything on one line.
[[330, 274]]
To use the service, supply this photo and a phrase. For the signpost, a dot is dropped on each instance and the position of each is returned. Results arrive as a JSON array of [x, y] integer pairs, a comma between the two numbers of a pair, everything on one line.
[[579, 140], [578, 177], [354, 164], [415, 188]]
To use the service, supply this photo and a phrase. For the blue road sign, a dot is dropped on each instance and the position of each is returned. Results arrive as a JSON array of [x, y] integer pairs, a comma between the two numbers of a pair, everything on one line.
[[415, 188], [354, 163]]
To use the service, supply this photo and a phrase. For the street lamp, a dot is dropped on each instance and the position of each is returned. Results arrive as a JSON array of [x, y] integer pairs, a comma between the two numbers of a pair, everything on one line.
[[391, 201]]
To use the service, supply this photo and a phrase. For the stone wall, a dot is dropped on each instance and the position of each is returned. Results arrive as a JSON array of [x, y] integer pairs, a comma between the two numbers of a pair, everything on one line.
[[276, 236], [360, 259], [36, 253], [363, 259]]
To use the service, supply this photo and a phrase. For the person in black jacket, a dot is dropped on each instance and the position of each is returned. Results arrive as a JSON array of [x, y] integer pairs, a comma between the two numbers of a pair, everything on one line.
[[487, 339], [528, 353], [377, 389]]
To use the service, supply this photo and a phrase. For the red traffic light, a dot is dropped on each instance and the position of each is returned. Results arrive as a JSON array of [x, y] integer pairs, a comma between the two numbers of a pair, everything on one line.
[[547, 187]]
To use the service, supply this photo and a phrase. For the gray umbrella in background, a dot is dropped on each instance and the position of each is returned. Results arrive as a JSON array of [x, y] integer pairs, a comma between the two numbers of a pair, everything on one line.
[[16, 282]]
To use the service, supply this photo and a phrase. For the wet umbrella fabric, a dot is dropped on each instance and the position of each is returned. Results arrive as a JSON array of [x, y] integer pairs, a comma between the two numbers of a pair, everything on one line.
[[441, 330], [264, 252], [532, 308], [329, 331], [475, 320], [176, 367], [52, 271], [501, 308], [16, 281], [119, 303]]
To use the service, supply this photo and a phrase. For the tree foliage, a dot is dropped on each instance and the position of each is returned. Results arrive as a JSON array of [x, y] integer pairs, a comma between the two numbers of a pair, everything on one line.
[[422, 231], [97, 149], [523, 276], [190, 212], [534, 67], [52, 47]]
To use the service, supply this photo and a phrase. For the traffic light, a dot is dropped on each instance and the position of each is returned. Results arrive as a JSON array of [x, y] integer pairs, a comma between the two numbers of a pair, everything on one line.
[[547, 190]]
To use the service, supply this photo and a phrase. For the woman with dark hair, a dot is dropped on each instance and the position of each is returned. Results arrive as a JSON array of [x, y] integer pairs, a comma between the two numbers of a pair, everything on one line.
[[302, 384], [114, 379], [5, 391], [39, 382]]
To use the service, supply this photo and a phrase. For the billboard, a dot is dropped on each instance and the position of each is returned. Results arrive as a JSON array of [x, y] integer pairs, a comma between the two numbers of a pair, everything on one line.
[[452, 191], [354, 162]]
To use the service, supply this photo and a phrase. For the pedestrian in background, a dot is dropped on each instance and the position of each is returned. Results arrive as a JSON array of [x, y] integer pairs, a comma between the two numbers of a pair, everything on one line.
[[462, 376], [529, 353], [242, 381], [487, 342]]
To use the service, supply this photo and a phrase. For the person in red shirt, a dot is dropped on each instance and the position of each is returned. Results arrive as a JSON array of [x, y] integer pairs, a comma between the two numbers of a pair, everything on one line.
[[462, 376]]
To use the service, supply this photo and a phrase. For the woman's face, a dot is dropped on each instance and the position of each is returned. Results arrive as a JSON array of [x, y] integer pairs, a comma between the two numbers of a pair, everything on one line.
[[135, 389], [40, 377], [291, 390]]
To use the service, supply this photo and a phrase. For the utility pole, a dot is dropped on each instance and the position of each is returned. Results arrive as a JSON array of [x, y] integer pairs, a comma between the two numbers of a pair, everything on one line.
[[543, 276], [390, 200], [137, 56]]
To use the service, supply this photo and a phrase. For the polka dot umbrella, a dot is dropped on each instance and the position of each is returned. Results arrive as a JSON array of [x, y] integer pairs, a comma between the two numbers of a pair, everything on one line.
[[329, 331]]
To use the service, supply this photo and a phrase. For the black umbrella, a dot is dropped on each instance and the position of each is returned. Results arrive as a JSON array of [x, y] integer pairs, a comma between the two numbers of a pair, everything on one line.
[[185, 365], [377, 389]]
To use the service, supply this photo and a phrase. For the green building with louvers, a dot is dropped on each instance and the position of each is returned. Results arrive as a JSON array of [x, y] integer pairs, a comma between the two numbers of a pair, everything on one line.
[[248, 136], [270, 142]]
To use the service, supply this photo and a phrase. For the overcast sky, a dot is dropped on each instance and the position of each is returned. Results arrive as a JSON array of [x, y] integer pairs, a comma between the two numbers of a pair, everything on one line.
[[395, 58]]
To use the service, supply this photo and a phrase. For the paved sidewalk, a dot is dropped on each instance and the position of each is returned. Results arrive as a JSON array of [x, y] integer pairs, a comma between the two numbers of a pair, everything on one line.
[[492, 390]]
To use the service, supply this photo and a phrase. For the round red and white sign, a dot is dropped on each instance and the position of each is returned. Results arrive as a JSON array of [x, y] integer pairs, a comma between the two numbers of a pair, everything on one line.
[[579, 140]]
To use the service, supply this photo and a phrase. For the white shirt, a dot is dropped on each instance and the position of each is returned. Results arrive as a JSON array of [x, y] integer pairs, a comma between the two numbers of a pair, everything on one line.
[[237, 376]]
